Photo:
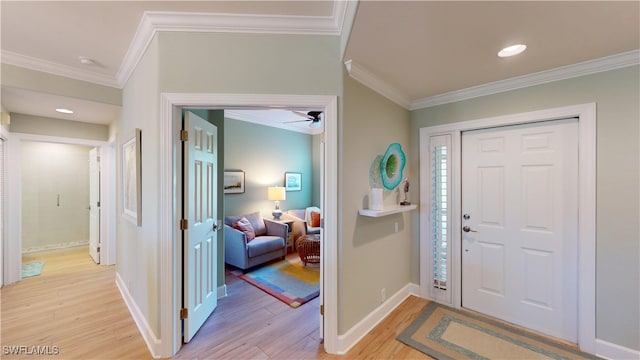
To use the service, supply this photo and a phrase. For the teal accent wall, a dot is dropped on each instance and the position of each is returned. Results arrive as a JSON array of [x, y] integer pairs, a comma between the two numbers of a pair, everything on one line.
[[264, 154], [617, 97]]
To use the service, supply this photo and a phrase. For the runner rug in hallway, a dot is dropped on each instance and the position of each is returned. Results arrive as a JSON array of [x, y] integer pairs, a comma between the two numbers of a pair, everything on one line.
[[32, 269], [447, 333], [288, 281]]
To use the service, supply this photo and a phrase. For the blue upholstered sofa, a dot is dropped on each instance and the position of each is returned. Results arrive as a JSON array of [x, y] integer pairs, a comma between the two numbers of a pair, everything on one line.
[[268, 244]]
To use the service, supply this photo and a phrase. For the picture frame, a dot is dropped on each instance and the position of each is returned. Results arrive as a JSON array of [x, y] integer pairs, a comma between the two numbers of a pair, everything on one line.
[[293, 181], [132, 178], [233, 182]]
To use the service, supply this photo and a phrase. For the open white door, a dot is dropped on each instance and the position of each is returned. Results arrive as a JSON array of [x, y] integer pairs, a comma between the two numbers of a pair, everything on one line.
[[519, 226], [94, 204], [200, 248]]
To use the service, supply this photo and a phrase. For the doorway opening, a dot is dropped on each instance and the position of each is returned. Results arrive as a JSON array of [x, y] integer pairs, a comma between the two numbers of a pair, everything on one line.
[[21, 148], [171, 108]]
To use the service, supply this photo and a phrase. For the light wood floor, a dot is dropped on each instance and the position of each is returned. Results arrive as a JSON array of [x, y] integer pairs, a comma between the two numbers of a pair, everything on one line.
[[76, 306]]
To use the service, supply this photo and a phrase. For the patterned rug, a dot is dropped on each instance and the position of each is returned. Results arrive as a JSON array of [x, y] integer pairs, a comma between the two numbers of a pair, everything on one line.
[[287, 281], [446, 333], [32, 269]]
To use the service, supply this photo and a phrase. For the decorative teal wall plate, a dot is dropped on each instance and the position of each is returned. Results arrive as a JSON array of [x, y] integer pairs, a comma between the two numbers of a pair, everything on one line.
[[391, 166]]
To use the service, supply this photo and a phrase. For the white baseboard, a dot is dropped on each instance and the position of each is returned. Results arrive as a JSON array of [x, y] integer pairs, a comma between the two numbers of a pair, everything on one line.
[[153, 343], [222, 291], [357, 332], [48, 247], [612, 351]]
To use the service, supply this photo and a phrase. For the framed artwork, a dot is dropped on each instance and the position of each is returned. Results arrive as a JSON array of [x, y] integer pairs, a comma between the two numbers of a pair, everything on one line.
[[132, 178], [234, 182], [293, 181]]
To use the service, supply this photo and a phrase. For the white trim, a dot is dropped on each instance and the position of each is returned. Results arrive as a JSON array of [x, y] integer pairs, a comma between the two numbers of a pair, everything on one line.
[[138, 317], [375, 83], [364, 326], [49, 67], [222, 291], [586, 114], [12, 254], [595, 66], [170, 273], [613, 351]]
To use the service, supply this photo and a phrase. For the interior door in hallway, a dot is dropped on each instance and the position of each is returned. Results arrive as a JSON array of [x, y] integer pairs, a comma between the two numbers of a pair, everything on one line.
[[200, 249], [94, 204], [519, 225]]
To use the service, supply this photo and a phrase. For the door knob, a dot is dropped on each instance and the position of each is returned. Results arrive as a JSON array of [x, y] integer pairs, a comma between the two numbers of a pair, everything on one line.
[[468, 229], [215, 227]]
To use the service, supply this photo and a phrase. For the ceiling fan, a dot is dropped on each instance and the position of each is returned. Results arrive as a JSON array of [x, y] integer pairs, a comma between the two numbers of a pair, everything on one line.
[[313, 116]]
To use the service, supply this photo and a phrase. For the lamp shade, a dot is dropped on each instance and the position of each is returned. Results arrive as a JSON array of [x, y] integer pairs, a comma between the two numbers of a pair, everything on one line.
[[276, 193]]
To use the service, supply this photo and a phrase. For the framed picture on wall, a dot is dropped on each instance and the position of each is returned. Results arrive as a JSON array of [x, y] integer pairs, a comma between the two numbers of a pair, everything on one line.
[[132, 178], [293, 181], [234, 182]]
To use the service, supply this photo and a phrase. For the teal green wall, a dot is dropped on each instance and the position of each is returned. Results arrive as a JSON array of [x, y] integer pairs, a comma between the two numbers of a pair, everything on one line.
[[264, 154], [617, 95]]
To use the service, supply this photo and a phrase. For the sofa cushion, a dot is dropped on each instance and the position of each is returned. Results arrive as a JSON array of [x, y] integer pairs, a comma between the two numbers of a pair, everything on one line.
[[257, 222], [245, 226], [264, 244]]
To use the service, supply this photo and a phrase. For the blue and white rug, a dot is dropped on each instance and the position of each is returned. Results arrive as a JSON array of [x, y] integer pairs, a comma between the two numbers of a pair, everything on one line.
[[32, 269]]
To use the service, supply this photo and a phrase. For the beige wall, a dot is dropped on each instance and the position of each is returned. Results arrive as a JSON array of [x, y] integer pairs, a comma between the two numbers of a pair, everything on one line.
[[55, 195], [29, 124], [372, 256], [617, 96]]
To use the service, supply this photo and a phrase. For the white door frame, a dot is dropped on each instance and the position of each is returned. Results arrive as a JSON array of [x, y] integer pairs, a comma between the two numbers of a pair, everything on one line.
[[13, 249], [586, 114], [170, 268]]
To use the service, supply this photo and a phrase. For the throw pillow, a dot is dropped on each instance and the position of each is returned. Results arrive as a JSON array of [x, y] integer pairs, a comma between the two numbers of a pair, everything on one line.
[[257, 222], [315, 219], [245, 226]]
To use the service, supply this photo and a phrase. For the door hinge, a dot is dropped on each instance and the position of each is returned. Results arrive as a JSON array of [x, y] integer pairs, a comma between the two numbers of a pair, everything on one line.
[[98, 249], [184, 313], [322, 310], [184, 135], [98, 204], [323, 138], [184, 224]]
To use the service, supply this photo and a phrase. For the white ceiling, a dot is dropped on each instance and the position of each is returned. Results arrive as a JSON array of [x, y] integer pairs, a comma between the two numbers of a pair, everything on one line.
[[418, 49]]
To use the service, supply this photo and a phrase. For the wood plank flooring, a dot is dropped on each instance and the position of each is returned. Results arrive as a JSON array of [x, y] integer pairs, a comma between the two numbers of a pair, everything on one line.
[[76, 306]]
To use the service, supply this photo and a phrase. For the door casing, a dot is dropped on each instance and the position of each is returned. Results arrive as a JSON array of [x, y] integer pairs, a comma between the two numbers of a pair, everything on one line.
[[171, 105], [586, 114]]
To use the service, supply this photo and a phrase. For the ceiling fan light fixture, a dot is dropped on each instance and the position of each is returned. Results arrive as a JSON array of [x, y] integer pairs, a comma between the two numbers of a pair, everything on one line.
[[512, 50], [64, 111]]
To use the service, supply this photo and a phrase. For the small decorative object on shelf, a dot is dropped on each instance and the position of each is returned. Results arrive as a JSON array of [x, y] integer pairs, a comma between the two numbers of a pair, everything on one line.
[[406, 201]]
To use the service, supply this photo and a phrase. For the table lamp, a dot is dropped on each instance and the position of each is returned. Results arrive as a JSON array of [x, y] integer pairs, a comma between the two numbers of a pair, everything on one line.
[[276, 193]]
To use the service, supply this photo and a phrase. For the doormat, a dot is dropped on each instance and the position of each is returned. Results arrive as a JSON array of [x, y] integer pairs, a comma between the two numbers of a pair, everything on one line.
[[32, 269], [289, 282], [446, 333]]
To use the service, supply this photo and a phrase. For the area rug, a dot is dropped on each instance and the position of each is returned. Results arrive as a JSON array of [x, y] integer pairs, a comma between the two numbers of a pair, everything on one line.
[[446, 333], [288, 281], [32, 269]]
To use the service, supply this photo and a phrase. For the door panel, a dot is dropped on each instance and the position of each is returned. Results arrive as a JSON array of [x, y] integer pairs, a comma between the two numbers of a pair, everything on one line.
[[519, 188], [94, 204], [200, 245]]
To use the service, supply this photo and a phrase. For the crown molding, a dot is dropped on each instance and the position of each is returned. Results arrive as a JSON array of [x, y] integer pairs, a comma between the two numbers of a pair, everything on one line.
[[157, 21], [375, 83], [258, 120], [607, 63], [49, 67]]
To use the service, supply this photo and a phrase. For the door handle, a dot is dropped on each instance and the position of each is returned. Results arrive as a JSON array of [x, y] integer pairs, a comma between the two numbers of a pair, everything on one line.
[[468, 229], [215, 227]]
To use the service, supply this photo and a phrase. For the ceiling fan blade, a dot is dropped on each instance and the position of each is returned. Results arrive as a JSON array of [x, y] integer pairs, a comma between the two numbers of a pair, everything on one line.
[[302, 114], [295, 121]]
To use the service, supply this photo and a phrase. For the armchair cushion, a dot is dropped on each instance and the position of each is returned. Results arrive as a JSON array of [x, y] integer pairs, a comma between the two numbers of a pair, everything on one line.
[[243, 253]]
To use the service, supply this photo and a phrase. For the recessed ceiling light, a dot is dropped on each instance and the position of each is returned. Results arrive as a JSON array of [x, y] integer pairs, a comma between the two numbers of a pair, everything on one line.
[[512, 50], [85, 60], [64, 111]]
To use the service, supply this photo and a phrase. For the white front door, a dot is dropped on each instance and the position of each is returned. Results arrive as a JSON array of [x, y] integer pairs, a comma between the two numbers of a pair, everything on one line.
[[519, 225], [200, 250], [94, 204]]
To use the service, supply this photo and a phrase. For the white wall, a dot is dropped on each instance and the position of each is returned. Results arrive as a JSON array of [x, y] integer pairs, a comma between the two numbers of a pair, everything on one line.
[[55, 195]]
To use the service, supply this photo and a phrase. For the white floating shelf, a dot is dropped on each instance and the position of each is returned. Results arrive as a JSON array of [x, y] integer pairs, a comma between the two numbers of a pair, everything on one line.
[[387, 211]]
